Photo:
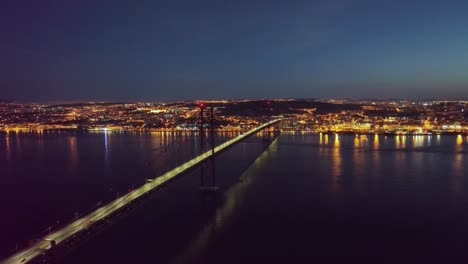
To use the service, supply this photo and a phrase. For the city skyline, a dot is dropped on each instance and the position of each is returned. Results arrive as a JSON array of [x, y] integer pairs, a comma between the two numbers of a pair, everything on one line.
[[315, 116], [166, 51]]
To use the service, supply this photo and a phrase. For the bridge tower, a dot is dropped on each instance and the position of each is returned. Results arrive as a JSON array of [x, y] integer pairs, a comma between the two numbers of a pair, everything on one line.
[[267, 108], [208, 183], [202, 142]]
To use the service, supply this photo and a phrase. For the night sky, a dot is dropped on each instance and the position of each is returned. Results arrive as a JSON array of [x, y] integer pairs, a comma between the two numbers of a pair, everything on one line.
[[71, 50]]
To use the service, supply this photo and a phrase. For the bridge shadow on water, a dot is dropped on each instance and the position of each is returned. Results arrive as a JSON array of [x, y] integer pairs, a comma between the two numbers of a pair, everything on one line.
[[233, 199]]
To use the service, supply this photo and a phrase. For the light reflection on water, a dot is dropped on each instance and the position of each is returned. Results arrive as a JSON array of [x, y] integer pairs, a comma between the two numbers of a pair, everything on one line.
[[107, 147], [370, 153], [358, 156], [459, 143], [337, 167], [376, 159], [367, 156], [8, 147], [458, 177], [73, 154], [18, 144], [376, 142], [418, 141]]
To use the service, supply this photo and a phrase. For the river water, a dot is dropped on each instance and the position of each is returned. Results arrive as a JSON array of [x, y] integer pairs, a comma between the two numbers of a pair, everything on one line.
[[304, 198]]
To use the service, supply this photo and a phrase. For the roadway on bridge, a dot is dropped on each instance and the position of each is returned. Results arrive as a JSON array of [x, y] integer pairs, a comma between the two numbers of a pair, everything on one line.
[[105, 211]]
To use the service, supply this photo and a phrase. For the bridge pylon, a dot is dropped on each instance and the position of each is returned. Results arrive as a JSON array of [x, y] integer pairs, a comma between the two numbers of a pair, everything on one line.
[[208, 184]]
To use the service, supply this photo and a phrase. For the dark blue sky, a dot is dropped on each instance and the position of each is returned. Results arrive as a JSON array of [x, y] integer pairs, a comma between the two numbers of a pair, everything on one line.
[[165, 50]]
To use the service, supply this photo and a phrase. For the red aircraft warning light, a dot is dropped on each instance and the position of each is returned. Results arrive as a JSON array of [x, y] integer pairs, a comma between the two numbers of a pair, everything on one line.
[[201, 105]]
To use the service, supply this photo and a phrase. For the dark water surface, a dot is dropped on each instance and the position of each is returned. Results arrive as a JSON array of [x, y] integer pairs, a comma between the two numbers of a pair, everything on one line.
[[46, 179], [304, 199], [358, 200]]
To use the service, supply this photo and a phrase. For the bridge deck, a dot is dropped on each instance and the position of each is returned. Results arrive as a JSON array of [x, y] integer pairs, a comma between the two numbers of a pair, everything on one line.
[[107, 210]]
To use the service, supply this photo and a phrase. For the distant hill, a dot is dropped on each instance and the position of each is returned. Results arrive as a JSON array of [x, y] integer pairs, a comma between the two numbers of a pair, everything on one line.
[[85, 104], [254, 108]]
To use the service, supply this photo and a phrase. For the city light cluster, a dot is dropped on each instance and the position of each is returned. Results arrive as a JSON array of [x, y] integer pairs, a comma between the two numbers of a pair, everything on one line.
[[336, 116]]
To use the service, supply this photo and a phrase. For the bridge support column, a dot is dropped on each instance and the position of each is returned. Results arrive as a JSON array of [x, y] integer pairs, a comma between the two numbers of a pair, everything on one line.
[[267, 137], [202, 141], [211, 185]]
